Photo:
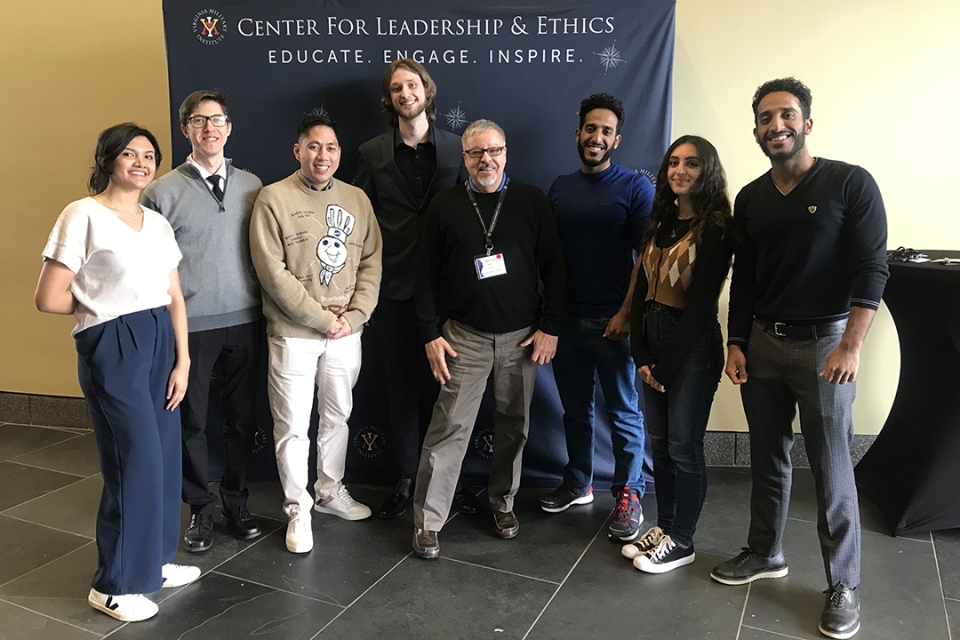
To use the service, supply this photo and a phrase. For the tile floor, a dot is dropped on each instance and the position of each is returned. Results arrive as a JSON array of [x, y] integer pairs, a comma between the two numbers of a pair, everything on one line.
[[560, 578]]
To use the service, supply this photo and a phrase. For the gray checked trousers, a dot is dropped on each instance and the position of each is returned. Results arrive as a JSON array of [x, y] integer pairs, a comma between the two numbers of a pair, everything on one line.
[[478, 355], [783, 375]]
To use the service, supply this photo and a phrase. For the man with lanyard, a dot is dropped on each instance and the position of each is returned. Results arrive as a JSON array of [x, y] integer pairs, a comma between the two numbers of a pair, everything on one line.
[[208, 203], [807, 281], [401, 171], [485, 247], [601, 212]]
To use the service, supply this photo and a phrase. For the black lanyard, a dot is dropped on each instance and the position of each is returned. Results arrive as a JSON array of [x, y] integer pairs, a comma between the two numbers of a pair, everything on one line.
[[488, 233]]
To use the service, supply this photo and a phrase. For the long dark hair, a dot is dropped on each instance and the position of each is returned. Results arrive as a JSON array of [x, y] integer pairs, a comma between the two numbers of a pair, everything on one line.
[[709, 194], [110, 145]]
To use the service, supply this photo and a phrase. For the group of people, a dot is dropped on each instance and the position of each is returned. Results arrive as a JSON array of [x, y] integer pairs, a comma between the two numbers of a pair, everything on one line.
[[204, 272]]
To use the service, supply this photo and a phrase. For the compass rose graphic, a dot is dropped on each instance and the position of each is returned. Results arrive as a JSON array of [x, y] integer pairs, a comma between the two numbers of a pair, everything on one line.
[[319, 111], [456, 118], [609, 57]]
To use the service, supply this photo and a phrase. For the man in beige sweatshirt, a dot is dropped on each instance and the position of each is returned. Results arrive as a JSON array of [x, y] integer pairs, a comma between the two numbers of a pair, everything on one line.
[[316, 247]]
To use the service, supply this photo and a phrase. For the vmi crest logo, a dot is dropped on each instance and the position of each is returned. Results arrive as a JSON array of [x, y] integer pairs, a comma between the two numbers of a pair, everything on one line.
[[369, 442], [483, 443], [209, 26]]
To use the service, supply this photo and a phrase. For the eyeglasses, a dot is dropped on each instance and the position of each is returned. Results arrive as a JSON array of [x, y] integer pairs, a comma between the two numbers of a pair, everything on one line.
[[218, 120], [493, 152]]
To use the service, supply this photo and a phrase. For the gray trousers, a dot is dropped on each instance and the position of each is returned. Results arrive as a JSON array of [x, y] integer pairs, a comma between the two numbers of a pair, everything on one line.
[[514, 373], [783, 374]]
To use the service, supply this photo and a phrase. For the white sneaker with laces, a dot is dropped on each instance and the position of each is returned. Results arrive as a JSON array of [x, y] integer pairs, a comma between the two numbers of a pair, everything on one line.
[[299, 533], [178, 575], [643, 545], [132, 607], [342, 505], [666, 557]]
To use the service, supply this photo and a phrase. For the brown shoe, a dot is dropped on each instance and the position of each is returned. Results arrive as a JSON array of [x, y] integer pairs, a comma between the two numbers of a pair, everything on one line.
[[426, 544], [506, 524]]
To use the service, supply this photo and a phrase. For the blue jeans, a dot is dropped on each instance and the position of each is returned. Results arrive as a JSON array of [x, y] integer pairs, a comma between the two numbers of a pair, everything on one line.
[[582, 351], [677, 420]]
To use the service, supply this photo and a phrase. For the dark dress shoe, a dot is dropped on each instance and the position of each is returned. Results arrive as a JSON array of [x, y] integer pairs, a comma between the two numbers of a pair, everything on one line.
[[426, 544], [240, 523], [396, 504], [465, 501], [199, 535], [841, 613], [506, 524]]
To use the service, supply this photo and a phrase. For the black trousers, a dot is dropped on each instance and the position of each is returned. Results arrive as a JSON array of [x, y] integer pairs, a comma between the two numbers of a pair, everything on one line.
[[234, 355], [411, 389]]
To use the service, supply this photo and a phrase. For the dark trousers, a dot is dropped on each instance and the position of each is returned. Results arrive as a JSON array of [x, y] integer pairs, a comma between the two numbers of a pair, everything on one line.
[[411, 389], [782, 375], [677, 420], [124, 366], [233, 354], [584, 355]]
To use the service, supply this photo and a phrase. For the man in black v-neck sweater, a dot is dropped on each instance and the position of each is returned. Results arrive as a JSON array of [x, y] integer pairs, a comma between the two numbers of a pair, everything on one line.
[[807, 279]]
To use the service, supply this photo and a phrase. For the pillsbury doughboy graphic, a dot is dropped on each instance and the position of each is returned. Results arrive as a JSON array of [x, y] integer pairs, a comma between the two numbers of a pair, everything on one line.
[[332, 248]]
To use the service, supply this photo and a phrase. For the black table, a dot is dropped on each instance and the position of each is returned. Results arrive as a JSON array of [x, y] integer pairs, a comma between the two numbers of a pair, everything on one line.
[[912, 471]]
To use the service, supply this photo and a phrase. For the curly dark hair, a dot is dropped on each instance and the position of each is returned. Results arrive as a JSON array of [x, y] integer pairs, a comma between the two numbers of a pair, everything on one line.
[[601, 101], [709, 195], [110, 144], [790, 85]]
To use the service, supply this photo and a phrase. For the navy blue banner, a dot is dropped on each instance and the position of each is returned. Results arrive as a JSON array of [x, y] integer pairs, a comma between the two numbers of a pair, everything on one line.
[[527, 68]]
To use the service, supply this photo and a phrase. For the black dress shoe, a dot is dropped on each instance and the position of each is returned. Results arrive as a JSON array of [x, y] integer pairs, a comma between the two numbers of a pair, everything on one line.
[[841, 613], [465, 501], [396, 504], [426, 544], [240, 523], [199, 535], [506, 524]]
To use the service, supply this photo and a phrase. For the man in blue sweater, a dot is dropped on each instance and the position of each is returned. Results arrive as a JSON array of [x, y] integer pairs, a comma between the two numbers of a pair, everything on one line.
[[601, 212], [208, 203]]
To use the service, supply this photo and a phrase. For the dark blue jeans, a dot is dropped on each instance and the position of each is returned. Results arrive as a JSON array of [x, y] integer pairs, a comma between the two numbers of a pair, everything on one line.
[[582, 353], [677, 420]]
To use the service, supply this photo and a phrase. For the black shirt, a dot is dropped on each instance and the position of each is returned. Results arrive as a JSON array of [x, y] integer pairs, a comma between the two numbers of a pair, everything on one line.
[[447, 282], [417, 166], [809, 255]]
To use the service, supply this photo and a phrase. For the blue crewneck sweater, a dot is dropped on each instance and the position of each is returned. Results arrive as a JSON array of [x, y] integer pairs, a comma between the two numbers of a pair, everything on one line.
[[601, 218]]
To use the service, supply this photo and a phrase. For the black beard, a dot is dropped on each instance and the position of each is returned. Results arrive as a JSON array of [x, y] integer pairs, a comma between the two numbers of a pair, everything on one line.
[[593, 163], [784, 156]]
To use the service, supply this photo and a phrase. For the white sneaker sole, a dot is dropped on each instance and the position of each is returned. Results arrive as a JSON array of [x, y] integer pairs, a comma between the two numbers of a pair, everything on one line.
[[841, 636], [303, 547], [763, 575], [582, 500], [644, 564], [340, 514]]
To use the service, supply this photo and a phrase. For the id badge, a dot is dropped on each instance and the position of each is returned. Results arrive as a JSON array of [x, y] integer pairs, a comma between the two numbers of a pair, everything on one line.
[[490, 266]]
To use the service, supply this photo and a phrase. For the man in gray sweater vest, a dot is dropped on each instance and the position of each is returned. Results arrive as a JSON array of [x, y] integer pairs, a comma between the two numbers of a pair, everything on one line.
[[208, 203]]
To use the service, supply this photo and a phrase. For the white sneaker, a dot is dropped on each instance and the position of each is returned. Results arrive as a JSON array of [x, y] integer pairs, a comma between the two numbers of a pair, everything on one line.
[[342, 505], [666, 557], [178, 575], [299, 533], [643, 545], [127, 608]]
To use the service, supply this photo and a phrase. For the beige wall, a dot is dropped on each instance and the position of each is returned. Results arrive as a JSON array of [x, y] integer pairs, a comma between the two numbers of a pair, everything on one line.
[[884, 76]]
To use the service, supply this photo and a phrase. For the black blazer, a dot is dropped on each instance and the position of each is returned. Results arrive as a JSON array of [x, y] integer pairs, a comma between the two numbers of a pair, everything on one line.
[[400, 217]]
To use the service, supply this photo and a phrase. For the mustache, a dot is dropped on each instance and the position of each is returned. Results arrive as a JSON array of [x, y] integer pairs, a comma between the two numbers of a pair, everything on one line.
[[486, 165]]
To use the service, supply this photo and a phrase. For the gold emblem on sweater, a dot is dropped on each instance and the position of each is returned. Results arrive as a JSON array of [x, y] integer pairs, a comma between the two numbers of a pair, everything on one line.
[[812, 208], [332, 248]]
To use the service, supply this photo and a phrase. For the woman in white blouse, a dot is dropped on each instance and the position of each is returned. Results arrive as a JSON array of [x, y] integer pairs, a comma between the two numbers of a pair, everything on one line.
[[113, 265]]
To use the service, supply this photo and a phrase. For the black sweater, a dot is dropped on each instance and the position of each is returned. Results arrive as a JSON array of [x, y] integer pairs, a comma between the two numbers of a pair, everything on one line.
[[447, 282], [809, 255]]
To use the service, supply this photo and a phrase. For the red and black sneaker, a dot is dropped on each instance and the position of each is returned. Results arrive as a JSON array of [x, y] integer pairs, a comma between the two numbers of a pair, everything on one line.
[[564, 497], [627, 517]]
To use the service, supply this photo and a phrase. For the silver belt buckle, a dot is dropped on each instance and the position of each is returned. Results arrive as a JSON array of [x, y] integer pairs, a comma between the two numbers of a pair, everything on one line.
[[776, 329]]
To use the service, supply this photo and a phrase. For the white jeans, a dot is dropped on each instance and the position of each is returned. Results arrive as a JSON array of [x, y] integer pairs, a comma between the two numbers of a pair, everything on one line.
[[296, 366]]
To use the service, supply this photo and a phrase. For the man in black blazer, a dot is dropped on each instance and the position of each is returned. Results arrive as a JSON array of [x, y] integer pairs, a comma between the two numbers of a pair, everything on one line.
[[401, 171]]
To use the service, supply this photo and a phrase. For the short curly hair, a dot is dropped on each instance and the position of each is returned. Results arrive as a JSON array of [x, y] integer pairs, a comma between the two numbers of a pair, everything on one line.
[[601, 101], [790, 85]]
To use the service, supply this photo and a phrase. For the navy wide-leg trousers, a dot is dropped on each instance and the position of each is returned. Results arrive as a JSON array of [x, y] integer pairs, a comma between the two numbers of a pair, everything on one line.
[[124, 366]]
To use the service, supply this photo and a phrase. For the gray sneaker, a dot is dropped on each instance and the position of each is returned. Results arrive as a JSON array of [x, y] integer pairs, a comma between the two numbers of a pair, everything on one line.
[[748, 566]]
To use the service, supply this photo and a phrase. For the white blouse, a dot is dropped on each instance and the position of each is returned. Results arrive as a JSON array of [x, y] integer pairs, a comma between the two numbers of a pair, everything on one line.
[[119, 270]]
